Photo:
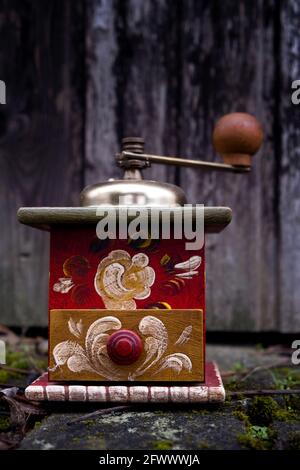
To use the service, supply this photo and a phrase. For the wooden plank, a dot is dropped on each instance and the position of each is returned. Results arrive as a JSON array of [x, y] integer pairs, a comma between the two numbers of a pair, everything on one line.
[[227, 59], [164, 70], [172, 345], [288, 169], [101, 140], [41, 139], [215, 218], [148, 83]]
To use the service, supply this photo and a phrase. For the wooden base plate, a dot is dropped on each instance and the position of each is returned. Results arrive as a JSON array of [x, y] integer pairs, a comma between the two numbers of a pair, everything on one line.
[[211, 390]]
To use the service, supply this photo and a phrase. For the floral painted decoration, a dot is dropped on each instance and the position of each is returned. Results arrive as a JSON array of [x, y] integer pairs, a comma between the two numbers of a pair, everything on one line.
[[121, 279], [92, 355]]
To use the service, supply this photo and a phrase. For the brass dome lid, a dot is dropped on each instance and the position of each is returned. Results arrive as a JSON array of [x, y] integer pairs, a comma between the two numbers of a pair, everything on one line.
[[130, 192]]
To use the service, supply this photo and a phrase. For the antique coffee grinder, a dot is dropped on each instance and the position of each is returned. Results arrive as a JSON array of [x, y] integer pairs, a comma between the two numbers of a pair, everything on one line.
[[126, 313]]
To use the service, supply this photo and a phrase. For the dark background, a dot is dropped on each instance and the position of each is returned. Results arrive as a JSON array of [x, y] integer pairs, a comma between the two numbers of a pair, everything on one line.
[[80, 75]]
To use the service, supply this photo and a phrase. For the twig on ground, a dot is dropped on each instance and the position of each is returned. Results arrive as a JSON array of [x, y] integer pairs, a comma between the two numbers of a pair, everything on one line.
[[277, 349], [248, 372], [258, 368], [14, 369], [101, 412], [4, 385], [250, 393]]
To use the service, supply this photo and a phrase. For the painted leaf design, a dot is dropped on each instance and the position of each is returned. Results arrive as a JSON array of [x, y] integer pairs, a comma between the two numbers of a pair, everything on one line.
[[75, 328], [156, 343], [176, 362], [101, 361], [64, 350], [188, 275], [159, 306], [185, 335], [76, 267], [173, 286], [147, 244], [81, 294], [190, 265], [79, 363], [64, 285], [165, 259], [95, 345], [98, 327], [93, 357]]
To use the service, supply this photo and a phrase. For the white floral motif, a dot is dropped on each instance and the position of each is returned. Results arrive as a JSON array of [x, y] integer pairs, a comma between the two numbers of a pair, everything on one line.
[[120, 279], [93, 356], [188, 268], [185, 335]]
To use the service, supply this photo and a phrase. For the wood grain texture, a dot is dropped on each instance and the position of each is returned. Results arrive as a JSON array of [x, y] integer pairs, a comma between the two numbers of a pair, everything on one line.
[[101, 141], [215, 218], [228, 65], [40, 141], [167, 330], [148, 72], [81, 75], [288, 169]]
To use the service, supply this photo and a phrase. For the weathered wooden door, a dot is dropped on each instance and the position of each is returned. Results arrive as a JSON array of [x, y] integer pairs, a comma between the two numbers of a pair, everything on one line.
[[80, 75]]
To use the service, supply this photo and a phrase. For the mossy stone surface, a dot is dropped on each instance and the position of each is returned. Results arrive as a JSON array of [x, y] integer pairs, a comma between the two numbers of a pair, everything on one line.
[[156, 429], [271, 422]]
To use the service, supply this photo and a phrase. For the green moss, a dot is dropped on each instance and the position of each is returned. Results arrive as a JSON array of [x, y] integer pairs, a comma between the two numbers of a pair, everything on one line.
[[162, 445], [238, 367], [286, 377], [294, 440], [18, 360], [4, 423], [159, 412], [293, 402], [41, 363], [262, 411], [201, 411], [89, 422], [232, 385], [285, 414], [257, 438], [4, 376], [203, 445], [96, 442], [241, 415]]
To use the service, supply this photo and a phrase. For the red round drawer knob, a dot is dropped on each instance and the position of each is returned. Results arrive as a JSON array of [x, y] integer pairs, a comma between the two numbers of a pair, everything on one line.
[[124, 347]]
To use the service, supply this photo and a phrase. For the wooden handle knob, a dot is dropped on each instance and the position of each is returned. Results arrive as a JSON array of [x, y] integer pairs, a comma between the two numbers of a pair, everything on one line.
[[237, 136], [124, 347]]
